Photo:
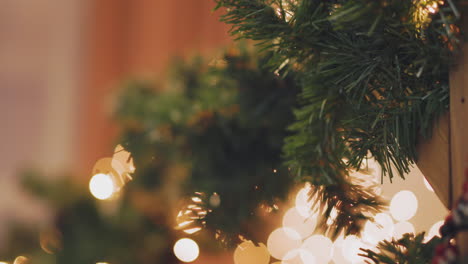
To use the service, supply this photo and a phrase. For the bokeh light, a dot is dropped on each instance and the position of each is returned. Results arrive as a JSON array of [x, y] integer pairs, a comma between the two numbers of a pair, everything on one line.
[[351, 248], [305, 226], [283, 240], [248, 253], [402, 228], [304, 202], [299, 256], [186, 250], [404, 205], [101, 186], [428, 185], [320, 246], [382, 228], [21, 260], [50, 240], [434, 231]]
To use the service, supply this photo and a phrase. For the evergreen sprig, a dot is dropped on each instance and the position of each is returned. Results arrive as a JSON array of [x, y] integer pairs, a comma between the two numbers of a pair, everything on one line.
[[410, 249], [374, 77]]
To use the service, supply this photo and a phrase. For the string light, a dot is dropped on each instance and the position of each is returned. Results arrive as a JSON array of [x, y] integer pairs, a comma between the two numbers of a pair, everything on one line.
[[248, 253], [404, 205], [320, 247], [21, 260], [402, 228], [186, 250], [382, 228], [102, 186], [281, 241], [305, 226]]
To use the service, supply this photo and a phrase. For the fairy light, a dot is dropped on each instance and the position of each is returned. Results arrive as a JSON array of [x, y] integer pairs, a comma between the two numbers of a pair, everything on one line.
[[305, 226], [404, 205], [283, 240], [21, 260], [248, 253], [186, 250], [320, 247], [102, 186]]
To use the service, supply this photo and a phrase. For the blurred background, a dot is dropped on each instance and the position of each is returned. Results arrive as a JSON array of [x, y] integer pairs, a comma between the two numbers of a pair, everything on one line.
[[60, 62]]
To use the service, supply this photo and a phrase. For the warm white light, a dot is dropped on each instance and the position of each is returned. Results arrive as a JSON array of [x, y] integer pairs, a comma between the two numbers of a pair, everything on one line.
[[404, 205], [320, 247], [434, 231], [248, 253], [299, 256], [3, 262], [283, 240], [402, 228], [21, 260], [351, 248], [305, 226], [428, 185], [304, 203], [379, 230], [101, 186], [338, 257], [186, 250]]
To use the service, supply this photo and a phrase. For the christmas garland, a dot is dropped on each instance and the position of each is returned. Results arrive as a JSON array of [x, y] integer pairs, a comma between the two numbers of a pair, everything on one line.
[[374, 77]]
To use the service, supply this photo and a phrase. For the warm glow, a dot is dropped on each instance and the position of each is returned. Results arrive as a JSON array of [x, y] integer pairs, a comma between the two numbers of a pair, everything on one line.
[[248, 253], [304, 203], [402, 228], [192, 230], [3, 262], [101, 186], [379, 230], [215, 200], [351, 248], [320, 247], [186, 250], [404, 205], [434, 231], [300, 256], [294, 220], [21, 260], [428, 185], [338, 257], [283, 240]]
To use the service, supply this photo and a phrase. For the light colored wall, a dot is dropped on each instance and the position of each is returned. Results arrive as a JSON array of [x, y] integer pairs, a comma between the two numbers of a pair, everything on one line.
[[39, 44]]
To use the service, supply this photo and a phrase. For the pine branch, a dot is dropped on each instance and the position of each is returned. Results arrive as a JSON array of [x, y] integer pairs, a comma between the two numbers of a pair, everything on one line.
[[374, 78]]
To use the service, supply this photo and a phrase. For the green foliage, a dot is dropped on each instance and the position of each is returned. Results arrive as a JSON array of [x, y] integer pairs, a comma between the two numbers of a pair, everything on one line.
[[224, 125], [374, 77], [410, 249]]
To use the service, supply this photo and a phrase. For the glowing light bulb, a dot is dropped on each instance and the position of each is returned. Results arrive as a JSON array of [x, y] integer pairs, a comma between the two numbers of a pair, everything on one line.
[[283, 240], [434, 231], [299, 256], [248, 253], [304, 203], [382, 228], [305, 226], [21, 260], [351, 247], [186, 250], [428, 185], [402, 228], [404, 205], [320, 247], [101, 186], [338, 257]]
